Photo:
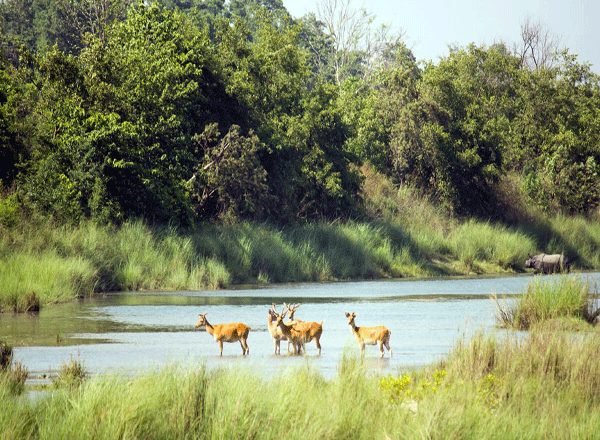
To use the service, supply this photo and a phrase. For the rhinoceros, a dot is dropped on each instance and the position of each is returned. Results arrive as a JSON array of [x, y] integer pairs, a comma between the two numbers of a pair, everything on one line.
[[545, 263]]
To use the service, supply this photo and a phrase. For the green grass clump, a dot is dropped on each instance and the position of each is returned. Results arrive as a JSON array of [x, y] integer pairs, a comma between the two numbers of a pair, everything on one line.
[[50, 276], [12, 375], [478, 243], [550, 298], [71, 375]]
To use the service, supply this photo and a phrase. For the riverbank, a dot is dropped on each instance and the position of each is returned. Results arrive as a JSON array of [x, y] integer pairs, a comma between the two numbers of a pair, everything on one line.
[[539, 386], [45, 263]]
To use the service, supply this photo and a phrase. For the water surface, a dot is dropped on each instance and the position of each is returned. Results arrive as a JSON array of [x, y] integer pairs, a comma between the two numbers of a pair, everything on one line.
[[128, 333]]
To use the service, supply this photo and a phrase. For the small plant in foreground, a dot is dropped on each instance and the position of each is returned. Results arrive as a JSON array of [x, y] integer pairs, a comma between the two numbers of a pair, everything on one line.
[[11, 376], [5, 355], [71, 375], [402, 388], [489, 391]]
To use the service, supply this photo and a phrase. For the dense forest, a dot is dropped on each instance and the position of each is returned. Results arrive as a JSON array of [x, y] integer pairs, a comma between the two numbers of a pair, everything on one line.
[[186, 111]]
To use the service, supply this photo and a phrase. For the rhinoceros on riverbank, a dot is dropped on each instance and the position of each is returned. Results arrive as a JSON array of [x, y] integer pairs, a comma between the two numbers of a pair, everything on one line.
[[545, 263]]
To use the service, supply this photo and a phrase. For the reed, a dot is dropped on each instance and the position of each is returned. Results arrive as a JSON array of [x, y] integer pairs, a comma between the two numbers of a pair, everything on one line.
[[71, 375], [477, 243], [548, 299], [405, 235], [31, 278], [540, 385], [12, 375]]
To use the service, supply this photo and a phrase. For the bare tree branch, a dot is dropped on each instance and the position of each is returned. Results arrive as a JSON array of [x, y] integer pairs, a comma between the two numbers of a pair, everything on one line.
[[539, 47]]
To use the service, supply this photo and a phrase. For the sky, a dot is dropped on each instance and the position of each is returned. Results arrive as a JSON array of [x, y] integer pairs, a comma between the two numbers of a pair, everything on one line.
[[431, 25]]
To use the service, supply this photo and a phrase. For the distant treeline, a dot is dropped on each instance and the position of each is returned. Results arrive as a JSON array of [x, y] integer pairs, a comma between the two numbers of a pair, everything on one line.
[[185, 111]]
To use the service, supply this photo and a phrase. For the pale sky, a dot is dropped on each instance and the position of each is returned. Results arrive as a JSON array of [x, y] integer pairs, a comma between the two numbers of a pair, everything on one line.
[[431, 25]]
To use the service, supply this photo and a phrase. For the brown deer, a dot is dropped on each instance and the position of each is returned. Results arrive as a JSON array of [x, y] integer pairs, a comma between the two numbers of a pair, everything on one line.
[[291, 310], [227, 333], [377, 335], [275, 330], [299, 334], [311, 329], [294, 336]]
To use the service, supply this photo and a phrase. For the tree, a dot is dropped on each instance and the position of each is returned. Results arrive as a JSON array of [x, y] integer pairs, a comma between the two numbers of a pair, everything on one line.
[[125, 114], [354, 47], [539, 48], [559, 125], [476, 89], [329, 181], [230, 183], [93, 17], [11, 149]]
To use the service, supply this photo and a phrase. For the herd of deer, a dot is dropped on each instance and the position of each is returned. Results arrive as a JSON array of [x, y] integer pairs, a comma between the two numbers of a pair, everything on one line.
[[297, 333]]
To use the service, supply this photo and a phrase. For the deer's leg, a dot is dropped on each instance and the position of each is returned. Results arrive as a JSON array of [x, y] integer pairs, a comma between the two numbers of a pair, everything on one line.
[[221, 347]]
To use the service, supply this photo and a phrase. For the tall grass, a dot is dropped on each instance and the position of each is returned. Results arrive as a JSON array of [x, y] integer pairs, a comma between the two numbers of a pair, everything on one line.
[[12, 375], [406, 236], [551, 298], [479, 243], [538, 386]]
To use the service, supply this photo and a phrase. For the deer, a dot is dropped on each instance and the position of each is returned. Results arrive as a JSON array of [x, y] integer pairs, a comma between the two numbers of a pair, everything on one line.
[[291, 310], [295, 336], [377, 335], [233, 332], [275, 330], [299, 334], [312, 329]]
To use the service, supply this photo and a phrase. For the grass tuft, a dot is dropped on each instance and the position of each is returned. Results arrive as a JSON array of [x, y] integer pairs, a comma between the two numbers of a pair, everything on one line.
[[549, 299], [12, 376], [71, 375]]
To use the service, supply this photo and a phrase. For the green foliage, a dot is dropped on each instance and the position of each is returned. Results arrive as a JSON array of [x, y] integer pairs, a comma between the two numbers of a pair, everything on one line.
[[115, 116], [9, 210], [232, 183], [71, 375], [544, 300], [559, 128], [475, 89], [404, 389], [124, 148], [12, 376]]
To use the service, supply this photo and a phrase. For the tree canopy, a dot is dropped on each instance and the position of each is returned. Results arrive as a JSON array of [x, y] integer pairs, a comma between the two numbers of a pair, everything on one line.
[[197, 110]]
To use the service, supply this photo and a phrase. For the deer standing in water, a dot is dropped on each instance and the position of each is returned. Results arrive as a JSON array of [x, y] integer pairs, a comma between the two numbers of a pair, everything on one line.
[[312, 330], [377, 335], [294, 336], [233, 332], [275, 330], [298, 334]]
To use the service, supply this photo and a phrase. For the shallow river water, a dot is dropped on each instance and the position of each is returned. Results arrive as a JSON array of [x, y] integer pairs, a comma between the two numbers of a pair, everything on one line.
[[128, 333]]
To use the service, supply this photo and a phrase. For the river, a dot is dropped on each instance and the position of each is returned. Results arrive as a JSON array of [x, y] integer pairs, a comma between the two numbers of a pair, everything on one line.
[[132, 332]]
